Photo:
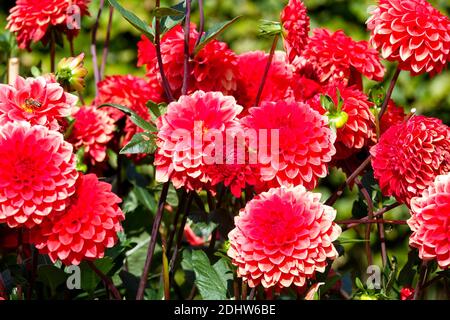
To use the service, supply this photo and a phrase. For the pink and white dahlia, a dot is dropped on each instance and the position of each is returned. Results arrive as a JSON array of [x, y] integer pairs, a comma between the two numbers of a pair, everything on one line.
[[40, 101], [37, 174], [185, 134], [93, 130], [304, 148], [87, 227], [412, 33], [283, 237], [430, 222], [410, 155]]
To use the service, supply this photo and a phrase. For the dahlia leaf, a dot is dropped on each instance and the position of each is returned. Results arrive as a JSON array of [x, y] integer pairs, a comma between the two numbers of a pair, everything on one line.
[[133, 20], [170, 21], [213, 33], [89, 279], [166, 12], [211, 284], [51, 276], [156, 109], [134, 117], [141, 142]]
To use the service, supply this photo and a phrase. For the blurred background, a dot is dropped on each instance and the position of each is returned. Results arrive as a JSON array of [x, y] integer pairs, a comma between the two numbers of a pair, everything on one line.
[[429, 96]]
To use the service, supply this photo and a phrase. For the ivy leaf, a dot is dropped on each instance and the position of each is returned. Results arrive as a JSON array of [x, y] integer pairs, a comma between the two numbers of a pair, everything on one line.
[[134, 117], [213, 33], [211, 284], [134, 20], [142, 142]]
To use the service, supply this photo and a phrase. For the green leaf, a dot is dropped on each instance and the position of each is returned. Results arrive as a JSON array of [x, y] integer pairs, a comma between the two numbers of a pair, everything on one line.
[[157, 109], [89, 279], [134, 20], [168, 22], [51, 276], [359, 284], [166, 12], [213, 33], [134, 117], [142, 142], [211, 284], [145, 198]]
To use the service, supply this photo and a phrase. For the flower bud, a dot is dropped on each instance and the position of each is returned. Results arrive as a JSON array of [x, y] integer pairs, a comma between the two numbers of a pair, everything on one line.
[[70, 73]]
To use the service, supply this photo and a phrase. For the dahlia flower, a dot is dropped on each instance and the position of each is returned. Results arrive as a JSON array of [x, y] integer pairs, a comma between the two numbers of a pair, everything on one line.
[[183, 137], [39, 101], [37, 173], [32, 21], [86, 228], [295, 22], [129, 91], [335, 56], [93, 129], [278, 81], [394, 115], [359, 126], [213, 68], [410, 155], [412, 33], [430, 221], [283, 237], [304, 147]]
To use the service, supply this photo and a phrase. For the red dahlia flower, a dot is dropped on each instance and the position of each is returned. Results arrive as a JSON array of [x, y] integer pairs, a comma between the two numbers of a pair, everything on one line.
[[359, 127], [295, 22], [394, 115], [129, 91], [335, 56], [37, 173], [93, 129], [183, 137], [283, 237], [410, 155], [277, 86], [87, 227], [304, 147], [213, 68], [413, 33], [32, 20], [39, 101], [430, 221]]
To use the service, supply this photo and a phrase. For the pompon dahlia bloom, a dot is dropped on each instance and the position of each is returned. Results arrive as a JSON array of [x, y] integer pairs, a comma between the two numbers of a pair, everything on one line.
[[336, 56], [394, 115], [31, 20], [38, 100], [413, 33], [410, 155], [93, 129], [295, 20], [87, 227], [303, 150], [183, 137], [213, 68], [278, 81], [360, 125], [430, 222], [127, 90], [283, 237], [37, 173]]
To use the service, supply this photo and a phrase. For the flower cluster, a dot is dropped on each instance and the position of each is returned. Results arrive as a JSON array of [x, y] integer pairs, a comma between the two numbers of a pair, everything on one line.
[[34, 21]]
